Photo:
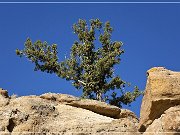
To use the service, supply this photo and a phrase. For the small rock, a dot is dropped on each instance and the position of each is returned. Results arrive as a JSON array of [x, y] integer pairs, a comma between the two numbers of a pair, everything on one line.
[[4, 93], [126, 114], [59, 97]]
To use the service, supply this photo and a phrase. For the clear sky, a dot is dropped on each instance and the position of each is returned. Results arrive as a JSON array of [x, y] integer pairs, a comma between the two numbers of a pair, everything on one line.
[[150, 33]]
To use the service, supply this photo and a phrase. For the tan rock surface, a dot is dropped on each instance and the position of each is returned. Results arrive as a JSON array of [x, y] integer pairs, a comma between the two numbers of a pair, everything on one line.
[[92, 105], [4, 100], [127, 114], [97, 107], [167, 124], [162, 92], [3, 93], [34, 114], [59, 97]]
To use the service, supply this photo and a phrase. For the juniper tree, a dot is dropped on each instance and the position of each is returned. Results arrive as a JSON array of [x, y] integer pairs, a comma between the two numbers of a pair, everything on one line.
[[90, 69]]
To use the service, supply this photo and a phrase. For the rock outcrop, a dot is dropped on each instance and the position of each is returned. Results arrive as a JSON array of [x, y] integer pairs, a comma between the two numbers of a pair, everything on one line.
[[52, 113], [64, 114], [97, 107], [168, 123], [162, 92], [92, 105]]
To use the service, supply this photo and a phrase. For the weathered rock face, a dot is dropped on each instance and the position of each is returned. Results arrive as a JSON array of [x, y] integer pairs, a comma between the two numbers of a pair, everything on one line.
[[92, 105], [63, 114], [162, 92], [168, 123], [61, 98], [97, 107], [66, 114]]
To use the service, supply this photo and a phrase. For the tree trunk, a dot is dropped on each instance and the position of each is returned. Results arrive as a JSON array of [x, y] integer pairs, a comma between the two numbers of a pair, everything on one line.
[[99, 96]]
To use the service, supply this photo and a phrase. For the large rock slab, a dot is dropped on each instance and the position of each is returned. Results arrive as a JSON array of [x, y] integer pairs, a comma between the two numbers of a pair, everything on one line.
[[167, 124], [41, 114], [162, 92], [97, 107], [92, 105]]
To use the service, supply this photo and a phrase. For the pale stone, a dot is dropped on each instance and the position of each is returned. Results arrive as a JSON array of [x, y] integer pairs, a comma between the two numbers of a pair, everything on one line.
[[59, 97], [97, 107], [167, 124], [3, 92], [39, 114], [3, 101], [162, 92]]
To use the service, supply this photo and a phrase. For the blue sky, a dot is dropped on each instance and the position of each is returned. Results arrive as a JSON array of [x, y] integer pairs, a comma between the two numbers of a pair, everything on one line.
[[150, 33]]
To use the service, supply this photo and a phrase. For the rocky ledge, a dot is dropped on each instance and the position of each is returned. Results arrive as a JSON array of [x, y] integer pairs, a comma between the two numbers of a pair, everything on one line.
[[53, 113]]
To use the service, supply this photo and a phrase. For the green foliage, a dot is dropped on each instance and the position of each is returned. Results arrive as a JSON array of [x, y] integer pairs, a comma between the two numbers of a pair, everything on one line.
[[90, 69]]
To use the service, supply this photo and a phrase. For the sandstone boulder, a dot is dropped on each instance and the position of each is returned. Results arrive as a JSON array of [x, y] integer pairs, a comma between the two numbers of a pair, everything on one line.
[[39, 114], [167, 124], [125, 113], [97, 107], [92, 105], [162, 92]]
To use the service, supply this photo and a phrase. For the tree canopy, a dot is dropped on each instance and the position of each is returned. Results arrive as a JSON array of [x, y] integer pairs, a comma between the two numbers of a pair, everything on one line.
[[90, 66]]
